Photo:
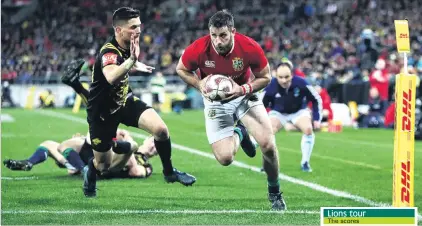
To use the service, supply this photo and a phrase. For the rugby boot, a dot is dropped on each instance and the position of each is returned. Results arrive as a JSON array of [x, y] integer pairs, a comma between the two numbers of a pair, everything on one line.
[[277, 201], [71, 75], [90, 183], [181, 177], [306, 167], [18, 164]]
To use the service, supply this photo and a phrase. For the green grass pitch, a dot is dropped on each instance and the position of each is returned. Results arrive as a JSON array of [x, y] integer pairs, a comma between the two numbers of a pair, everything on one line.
[[358, 162]]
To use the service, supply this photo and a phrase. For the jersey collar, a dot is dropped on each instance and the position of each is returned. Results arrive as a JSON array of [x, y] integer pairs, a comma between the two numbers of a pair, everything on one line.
[[118, 46]]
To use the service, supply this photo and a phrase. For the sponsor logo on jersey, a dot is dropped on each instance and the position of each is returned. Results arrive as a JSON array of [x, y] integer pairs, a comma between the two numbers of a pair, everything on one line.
[[210, 63], [109, 58]]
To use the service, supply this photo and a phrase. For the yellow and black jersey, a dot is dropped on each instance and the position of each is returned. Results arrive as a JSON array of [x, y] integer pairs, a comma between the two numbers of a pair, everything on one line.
[[104, 98]]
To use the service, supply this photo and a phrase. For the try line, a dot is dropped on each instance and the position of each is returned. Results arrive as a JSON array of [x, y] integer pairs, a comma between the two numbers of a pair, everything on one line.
[[70, 212]]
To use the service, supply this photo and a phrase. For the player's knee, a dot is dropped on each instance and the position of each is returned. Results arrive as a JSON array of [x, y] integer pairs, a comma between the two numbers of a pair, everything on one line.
[[101, 146], [267, 145], [102, 167], [308, 131], [223, 157], [48, 144], [161, 132], [122, 147], [225, 160], [134, 147]]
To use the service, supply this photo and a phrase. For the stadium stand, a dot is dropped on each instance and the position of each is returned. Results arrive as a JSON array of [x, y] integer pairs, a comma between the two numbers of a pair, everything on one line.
[[325, 39]]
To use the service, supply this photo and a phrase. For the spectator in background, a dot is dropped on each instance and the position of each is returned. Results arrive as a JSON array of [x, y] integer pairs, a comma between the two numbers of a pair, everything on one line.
[[327, 112], [315, 33], [47, 99], [6, 96], [368, 54], [389, 118], [379, 79], [194, 97], [377, 107]]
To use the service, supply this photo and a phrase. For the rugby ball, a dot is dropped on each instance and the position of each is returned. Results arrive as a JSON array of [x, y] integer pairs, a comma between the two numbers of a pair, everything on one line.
[[217, 86]]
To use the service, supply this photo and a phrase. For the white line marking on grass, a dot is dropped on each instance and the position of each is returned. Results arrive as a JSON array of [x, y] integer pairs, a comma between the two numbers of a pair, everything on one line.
[[335, 159], [6, 118], [26, 135], [157, 212], [282, 176], [19, 178], [354, 142]]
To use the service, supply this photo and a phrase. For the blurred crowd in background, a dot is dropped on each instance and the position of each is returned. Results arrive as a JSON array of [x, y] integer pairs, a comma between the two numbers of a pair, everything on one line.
[[330, 42]]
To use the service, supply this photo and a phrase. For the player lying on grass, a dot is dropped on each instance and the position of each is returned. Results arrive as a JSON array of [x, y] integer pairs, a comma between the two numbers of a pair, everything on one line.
[[74, 154], [287, 97]]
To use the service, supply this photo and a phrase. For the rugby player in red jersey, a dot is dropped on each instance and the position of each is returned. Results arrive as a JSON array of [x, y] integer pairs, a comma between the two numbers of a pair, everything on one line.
[[242, 60]]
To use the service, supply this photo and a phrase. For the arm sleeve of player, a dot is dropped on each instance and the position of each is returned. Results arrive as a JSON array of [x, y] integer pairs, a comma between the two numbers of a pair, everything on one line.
[[269, 93], [190, 57], [259, 60], [316, 100], [267, 100], [110, 56]]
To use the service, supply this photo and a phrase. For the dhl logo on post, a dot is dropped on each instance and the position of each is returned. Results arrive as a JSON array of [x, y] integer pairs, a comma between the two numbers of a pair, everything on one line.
[[404, 142], [402, 36], [406, 110]]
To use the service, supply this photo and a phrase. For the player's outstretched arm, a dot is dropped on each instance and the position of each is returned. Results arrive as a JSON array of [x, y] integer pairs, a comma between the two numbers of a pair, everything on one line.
[[114, 73], [139, 66]]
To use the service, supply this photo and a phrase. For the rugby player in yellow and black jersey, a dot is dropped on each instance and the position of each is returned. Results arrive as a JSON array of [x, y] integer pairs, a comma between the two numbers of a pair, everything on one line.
[[110, 103]]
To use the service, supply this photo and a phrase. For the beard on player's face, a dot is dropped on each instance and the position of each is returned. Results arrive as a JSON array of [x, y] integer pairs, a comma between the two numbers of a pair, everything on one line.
[[223, 49], [222, 39]]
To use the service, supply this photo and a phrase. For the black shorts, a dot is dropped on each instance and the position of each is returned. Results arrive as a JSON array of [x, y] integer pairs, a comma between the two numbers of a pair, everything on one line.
[[103, 129]]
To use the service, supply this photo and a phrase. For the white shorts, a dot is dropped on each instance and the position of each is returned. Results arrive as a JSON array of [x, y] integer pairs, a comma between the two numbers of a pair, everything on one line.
[[219, 120], [292, 118]]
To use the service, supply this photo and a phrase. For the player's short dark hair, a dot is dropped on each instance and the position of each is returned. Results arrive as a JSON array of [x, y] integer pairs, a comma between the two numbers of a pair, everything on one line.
[[124, 14], [221, 18]]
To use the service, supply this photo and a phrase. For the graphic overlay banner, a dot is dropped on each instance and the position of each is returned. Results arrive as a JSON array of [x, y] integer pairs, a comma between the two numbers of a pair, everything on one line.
[[404, 141], [402, 36], [368, 216]]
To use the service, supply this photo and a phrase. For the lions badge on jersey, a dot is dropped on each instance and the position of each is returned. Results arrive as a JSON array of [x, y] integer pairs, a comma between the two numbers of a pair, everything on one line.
[[296, 92], [238, 64]]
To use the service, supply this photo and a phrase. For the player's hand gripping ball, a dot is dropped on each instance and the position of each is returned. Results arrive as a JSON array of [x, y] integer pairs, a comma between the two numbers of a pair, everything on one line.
[[217, 86]]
